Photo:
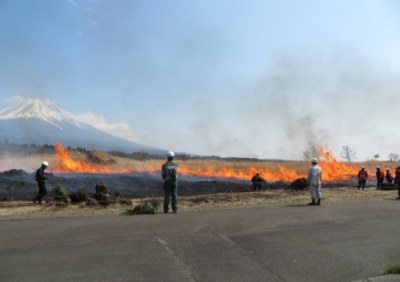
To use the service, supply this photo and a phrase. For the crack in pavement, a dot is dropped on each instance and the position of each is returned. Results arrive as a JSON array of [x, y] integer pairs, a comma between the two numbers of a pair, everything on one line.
[[184, 268]]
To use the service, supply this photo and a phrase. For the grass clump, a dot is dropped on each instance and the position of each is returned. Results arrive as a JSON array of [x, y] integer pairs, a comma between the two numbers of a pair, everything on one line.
[[61, 194], [80, 195], [7, 198], [147, 207], [393, 269]]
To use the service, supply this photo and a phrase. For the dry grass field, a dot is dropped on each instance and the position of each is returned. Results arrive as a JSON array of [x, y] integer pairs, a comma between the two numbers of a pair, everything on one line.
[[102, 162], [268, 198]]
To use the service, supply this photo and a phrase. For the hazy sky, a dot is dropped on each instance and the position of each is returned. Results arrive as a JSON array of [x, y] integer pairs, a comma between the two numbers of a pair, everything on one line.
[[214, 77]]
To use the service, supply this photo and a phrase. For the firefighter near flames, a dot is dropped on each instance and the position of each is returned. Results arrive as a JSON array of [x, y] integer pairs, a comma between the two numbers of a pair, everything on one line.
[[41, 178], [257, 181], [169, 174], [380, 177], [314, 177], [362, 178]]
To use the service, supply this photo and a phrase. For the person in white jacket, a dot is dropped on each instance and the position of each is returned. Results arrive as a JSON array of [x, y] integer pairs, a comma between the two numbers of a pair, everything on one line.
[[314, 177]]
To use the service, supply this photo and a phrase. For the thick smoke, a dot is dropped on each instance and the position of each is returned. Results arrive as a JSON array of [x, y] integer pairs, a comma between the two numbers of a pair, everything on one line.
[[333, 102], [329, 103]]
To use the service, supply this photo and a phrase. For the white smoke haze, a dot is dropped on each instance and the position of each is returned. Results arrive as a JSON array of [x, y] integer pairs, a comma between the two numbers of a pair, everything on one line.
[[119, 129], [329, 103], [344, 100], [298, 103]]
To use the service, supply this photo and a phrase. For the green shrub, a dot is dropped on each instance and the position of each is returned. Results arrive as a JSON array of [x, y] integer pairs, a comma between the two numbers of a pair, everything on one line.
[[147, 207], [393, 269], [60, 193]]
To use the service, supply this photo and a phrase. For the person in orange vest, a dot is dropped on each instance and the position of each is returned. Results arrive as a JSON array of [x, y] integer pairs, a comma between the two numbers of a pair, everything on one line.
[[362, 178], [389, 176]]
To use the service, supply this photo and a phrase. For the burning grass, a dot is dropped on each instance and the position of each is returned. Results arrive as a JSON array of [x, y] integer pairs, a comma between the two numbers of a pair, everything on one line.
[[67, 161], [204, 171], [272, 171]]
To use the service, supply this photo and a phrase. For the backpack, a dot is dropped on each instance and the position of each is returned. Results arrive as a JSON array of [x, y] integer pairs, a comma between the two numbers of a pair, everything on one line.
[[172, 173]]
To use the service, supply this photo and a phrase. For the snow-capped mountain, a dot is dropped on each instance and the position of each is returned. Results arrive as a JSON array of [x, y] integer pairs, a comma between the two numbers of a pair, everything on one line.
[[40, 121], [44, 109]]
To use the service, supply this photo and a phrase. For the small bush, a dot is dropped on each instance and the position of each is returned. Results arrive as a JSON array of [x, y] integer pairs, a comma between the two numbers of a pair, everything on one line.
[[60, 193], [299, 184], [393, 269], [80, 195], [7, 198], [145, 208]]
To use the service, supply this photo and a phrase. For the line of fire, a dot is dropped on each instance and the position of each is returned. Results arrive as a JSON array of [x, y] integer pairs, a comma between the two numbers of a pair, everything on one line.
[[333, 170]]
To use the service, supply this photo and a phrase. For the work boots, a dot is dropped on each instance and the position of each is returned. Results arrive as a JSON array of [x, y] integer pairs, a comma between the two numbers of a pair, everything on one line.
[[312, 202], [318, 202]]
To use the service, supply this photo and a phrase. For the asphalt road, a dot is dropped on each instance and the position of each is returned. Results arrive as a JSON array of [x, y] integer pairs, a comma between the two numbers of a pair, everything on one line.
[[340, 242]]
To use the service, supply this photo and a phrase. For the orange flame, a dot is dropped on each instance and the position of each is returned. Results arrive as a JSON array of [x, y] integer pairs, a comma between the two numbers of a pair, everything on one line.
[[67, 164], [332, 169]]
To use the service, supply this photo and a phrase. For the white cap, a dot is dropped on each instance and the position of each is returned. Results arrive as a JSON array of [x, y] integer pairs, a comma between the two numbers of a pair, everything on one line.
[[45, 163], [170, 154], [378, 167], [314, 161]]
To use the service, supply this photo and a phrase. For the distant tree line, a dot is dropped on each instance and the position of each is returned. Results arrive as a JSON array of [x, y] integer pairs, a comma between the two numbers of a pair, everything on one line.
[[24, 149]]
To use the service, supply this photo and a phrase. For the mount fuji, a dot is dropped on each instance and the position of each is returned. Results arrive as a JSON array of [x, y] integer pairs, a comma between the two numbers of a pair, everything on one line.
[[39, 121]]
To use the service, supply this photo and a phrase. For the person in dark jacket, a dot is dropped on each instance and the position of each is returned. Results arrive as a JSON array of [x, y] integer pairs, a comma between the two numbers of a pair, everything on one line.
[[169, 174], [389, 177], [362, 178], [397, 181], [380, 176], [257, 181], [41, 181]]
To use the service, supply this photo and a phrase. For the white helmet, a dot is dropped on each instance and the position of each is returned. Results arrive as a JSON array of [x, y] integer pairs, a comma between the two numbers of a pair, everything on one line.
[[170, 154], [314, 161], [46, 164]]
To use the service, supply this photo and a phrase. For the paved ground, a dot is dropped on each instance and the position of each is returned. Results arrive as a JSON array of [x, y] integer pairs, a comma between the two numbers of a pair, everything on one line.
[[341, 242]]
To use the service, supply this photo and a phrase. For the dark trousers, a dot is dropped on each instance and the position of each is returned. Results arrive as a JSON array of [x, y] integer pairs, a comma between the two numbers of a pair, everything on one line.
[[361, 183], [379, 183], [398, 188], [256, 186], [42, 192], [170, 192]]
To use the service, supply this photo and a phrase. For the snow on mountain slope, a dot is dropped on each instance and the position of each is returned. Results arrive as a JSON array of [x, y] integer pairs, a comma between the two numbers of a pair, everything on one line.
[[44, 109], [40, 121]]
